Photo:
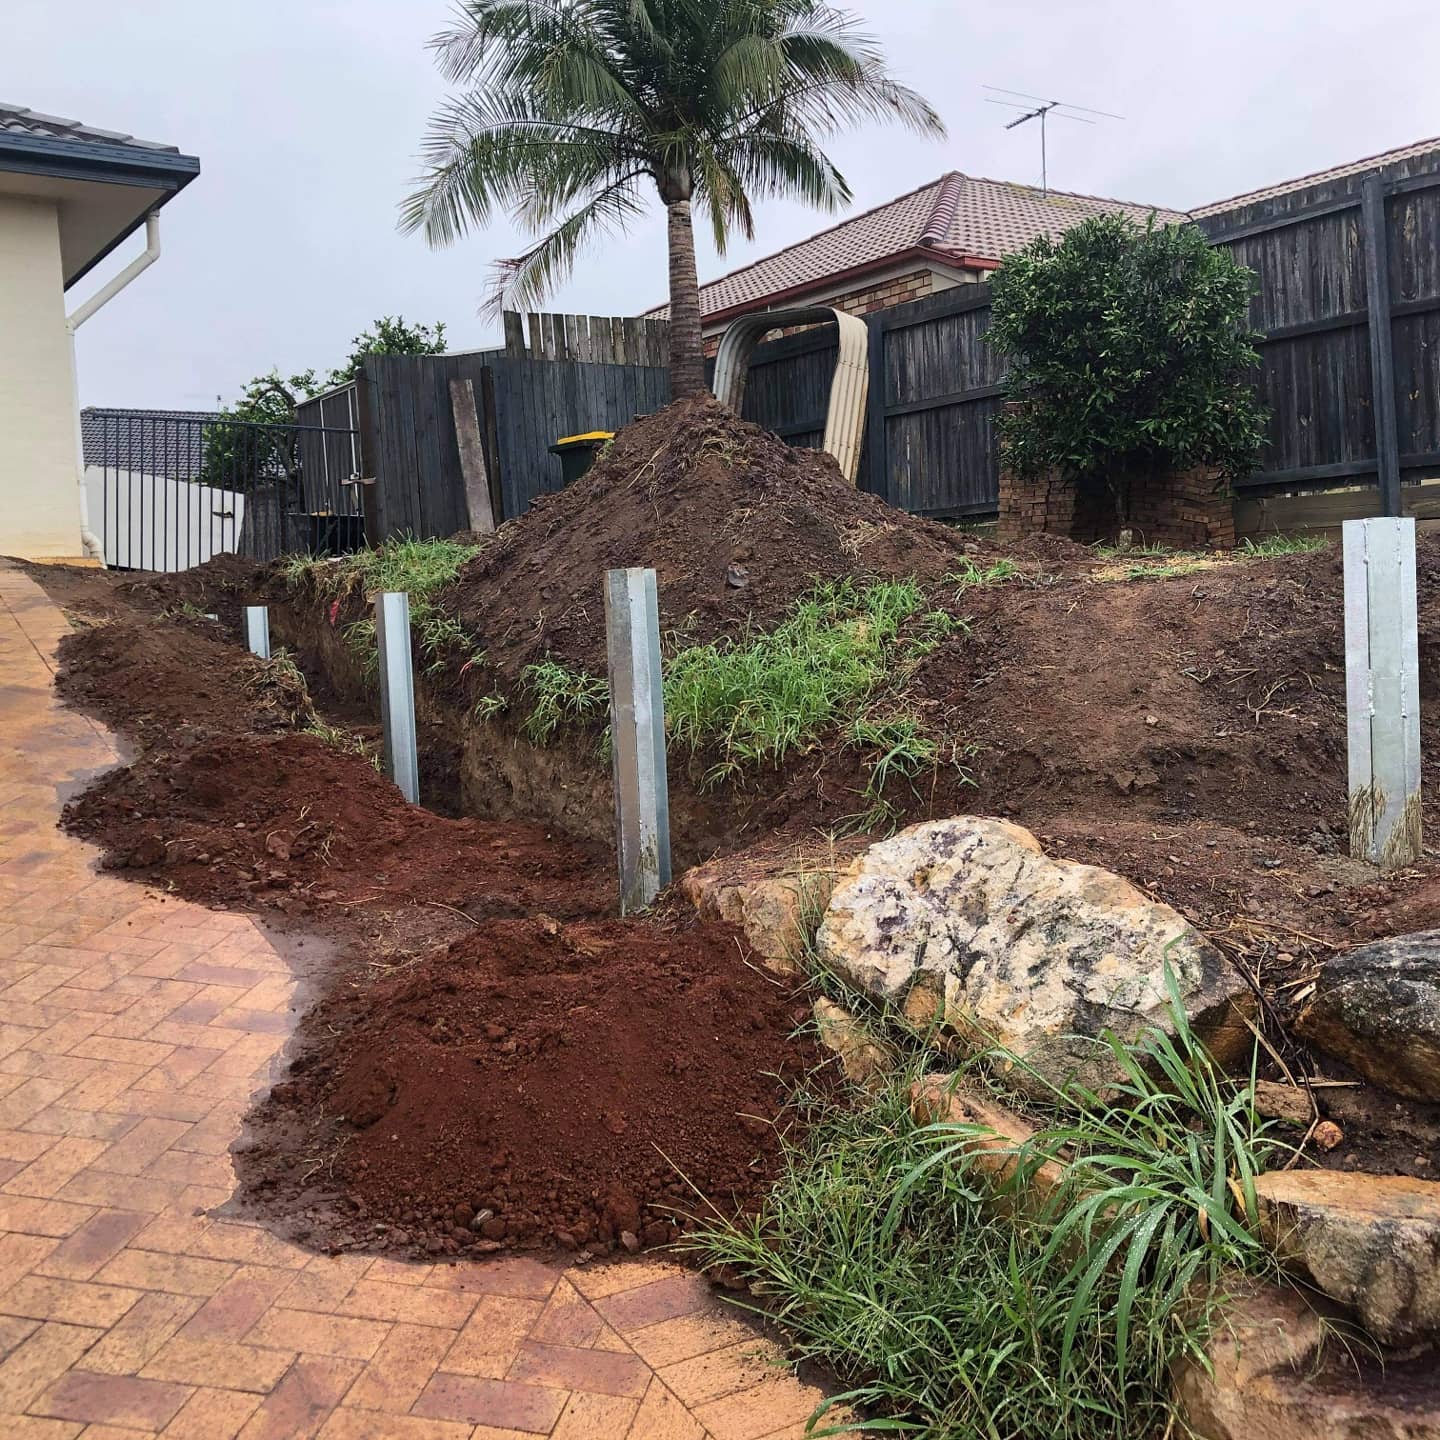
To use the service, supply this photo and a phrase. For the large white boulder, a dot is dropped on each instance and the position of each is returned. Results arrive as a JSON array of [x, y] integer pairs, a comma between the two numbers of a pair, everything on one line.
[[967, 923]]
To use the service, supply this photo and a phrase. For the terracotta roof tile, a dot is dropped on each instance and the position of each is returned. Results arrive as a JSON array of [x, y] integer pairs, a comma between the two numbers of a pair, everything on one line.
[[961, 216], [1321, 177]]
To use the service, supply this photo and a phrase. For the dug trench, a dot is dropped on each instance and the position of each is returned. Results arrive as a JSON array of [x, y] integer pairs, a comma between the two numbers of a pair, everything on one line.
[[487, 1059]]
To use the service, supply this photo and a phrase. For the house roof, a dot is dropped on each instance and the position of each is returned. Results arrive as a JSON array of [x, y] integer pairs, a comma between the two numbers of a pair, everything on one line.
[[107, 182], [170, 443], [1320, 177], [18, 120], [956, 219]]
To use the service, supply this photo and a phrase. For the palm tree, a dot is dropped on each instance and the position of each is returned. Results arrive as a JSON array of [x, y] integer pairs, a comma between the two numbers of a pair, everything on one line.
[[571, 106]]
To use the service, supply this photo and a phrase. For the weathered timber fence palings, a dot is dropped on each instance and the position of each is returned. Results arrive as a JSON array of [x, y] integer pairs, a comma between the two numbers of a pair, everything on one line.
[[591, 339], [1349, 289], [441, 434], [1349, 305]]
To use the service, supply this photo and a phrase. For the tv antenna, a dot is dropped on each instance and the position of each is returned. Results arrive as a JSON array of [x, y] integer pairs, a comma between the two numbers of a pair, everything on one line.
[[1040, 108]]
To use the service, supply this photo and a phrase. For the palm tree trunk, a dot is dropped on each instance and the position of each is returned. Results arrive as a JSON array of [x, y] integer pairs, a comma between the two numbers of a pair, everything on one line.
[[687, 350]]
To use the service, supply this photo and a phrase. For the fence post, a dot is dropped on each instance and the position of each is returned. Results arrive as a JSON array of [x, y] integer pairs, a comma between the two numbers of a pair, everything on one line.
[[257, 630], [637, 736], [1382, 691], [1382, 343], [397, 691]]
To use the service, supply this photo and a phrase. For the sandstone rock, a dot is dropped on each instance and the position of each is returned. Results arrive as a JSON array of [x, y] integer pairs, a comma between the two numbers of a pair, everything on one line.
[[862, 1058], [1372, 1242], [1378, 1008], [772, 899], [1286, 1103], [967, 922], [1271, 1380]]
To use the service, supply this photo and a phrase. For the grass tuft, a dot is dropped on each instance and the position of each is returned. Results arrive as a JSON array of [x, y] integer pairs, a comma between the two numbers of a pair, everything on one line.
[[883, 1253], [972, 575], [561, 697], [1270, 546], [421, 568]]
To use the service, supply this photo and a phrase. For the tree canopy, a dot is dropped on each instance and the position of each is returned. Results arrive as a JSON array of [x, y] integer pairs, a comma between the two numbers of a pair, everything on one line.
[[1130, 351], [573, 111]]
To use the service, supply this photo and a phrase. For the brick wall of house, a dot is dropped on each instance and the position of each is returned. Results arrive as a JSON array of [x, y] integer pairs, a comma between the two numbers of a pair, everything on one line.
[[1187, 509], [897, 290]]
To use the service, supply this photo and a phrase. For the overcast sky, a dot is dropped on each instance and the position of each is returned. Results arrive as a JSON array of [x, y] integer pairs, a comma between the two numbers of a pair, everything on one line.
[[306, 116]]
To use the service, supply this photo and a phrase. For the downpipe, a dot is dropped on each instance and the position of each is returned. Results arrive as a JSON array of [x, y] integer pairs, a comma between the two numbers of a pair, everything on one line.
[[77, 317]]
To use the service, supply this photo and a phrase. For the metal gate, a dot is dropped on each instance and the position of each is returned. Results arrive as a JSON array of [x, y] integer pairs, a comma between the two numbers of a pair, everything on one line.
[[166, 491]]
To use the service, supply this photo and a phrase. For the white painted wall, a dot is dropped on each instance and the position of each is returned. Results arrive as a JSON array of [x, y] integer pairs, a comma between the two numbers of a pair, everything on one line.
[[149, 522], [39, 496]]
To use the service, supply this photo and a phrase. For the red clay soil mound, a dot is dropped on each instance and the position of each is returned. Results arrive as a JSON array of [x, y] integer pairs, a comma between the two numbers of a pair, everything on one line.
[[291, 823], [166, 680], [578, 1082], [736, 524], [1217, 695]]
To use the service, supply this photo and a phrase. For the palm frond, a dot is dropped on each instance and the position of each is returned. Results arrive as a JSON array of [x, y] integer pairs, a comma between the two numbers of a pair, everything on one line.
[[526, 279]]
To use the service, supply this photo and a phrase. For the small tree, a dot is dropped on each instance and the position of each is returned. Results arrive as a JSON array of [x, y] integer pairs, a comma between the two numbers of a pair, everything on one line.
[[1130, 355], [239, 456], [390, 335]]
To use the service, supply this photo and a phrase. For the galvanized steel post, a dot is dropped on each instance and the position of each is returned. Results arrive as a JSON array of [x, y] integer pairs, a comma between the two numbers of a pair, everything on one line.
[[397, 691], [257, 630], [637, 736], [1382, 691]]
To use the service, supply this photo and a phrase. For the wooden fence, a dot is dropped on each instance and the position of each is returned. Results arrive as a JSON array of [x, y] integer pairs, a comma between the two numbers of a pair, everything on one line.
[[1349, 288], [438, 432], [590, 339]]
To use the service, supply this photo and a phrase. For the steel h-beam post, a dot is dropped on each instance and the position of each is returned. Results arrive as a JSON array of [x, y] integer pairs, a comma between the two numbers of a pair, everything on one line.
[[397, 691], [257, 630], [637, 736], [1382, 691]]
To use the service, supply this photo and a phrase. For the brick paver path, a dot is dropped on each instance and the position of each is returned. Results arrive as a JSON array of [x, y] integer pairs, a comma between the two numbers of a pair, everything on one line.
[[133, 1029]]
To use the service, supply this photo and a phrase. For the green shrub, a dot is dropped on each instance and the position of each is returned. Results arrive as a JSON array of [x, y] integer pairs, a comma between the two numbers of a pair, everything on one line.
[[1130, 352]]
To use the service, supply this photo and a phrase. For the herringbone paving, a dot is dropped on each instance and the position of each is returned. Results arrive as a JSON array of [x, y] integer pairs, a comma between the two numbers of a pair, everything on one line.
[[134, 1028]]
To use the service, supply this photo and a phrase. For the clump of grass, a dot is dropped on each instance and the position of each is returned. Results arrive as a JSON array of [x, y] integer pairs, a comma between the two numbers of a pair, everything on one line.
[[561, 697], [343, 740], [973, 575], [882, 1252], [421, 568], [1181, 565], [837, 661], [758, 700], [1270, 546]]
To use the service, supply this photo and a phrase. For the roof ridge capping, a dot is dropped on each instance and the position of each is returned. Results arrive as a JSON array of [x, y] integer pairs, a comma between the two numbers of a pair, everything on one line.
[[942, 212]]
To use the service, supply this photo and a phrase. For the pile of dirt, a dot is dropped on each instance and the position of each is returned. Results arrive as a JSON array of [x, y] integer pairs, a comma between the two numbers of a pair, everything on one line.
[[1215, 695], [736, 524], [291, 823], [167, 680], [221, 587], [536, 1084]]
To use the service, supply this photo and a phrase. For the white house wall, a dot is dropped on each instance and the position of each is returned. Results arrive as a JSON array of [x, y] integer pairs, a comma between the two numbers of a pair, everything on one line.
[[149, 522], [39, 496]]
